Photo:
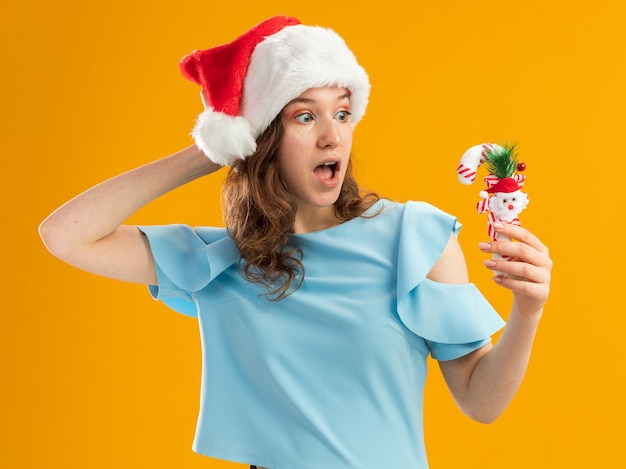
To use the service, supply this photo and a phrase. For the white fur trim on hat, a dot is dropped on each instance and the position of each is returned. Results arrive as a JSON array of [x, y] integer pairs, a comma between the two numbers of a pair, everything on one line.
[[296, 59], [224, 139]]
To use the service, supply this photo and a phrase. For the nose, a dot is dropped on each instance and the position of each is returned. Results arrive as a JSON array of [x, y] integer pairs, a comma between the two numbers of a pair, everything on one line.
[[510, 206], [328, 133]]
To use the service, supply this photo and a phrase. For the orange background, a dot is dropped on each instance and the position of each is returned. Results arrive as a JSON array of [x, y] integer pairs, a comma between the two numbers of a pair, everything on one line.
[[97, 375]]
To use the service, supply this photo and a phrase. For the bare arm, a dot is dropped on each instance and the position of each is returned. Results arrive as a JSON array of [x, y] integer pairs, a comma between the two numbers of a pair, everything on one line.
[[88, 232], [484, 381]]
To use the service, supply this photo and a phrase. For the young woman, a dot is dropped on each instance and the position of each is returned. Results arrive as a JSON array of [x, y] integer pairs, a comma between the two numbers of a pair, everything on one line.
[[317, 305]]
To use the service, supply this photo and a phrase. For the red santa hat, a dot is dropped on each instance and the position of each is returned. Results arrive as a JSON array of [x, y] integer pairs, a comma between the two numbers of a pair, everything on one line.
[[505, 185], [246, 83]]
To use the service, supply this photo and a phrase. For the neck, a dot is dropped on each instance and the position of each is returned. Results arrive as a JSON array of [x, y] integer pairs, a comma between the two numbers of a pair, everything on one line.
[[315, 219]]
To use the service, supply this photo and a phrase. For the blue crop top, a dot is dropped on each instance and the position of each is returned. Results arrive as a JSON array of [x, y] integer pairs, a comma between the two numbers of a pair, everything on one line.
[[332, 376]]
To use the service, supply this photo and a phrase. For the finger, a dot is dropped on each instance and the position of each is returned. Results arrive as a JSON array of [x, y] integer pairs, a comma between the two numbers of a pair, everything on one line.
[[520, 251], [519, 270], [517, 251], [537, 291], [521, 234], [204, 100]]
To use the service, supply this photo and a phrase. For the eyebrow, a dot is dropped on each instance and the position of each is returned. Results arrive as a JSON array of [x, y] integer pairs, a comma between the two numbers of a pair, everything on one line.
[[311, 101]]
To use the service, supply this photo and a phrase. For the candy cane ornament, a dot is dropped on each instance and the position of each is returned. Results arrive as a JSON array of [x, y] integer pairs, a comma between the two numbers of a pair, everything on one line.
[[472, 159], [502, 200]]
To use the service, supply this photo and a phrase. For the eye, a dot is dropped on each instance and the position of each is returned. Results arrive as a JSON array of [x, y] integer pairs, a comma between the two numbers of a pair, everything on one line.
[[305, 117], [343, 116], [514, 199]]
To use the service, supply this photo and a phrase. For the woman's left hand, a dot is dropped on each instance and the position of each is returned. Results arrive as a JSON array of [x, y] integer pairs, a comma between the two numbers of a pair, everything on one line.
[[528, 272]]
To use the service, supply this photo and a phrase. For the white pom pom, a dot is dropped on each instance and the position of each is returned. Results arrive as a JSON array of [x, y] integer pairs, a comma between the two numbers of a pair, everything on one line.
[[224, 139], [483, 194]]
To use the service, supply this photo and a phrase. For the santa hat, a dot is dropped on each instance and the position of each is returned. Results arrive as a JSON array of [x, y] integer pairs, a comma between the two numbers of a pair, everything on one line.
[[505, 185], [246, 83]]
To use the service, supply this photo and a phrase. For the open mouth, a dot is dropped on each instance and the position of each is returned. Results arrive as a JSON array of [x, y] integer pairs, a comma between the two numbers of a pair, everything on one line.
[[326, 171]]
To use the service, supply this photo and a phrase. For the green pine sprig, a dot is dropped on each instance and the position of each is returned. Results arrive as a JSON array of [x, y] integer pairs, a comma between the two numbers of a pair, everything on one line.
[[502, 162]]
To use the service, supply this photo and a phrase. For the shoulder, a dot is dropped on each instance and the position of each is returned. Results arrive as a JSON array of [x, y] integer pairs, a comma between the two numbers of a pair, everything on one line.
[[431, 235], [420, 221], [441, 230], [415, 209], [410, 211], [451, 267]]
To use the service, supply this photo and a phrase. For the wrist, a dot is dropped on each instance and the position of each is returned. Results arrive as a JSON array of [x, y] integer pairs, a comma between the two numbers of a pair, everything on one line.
[[197, 161], [528, 317]]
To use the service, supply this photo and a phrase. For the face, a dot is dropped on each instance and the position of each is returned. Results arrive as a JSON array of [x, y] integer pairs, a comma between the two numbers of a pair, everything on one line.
[[507, 206], [315, 149]]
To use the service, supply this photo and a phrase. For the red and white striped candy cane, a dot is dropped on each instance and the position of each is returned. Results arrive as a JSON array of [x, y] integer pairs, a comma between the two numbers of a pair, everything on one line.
[[471, 160]]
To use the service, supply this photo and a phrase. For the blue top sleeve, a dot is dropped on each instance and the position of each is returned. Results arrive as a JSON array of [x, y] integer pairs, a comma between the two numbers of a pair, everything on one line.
[[453, 319], [186, 261]]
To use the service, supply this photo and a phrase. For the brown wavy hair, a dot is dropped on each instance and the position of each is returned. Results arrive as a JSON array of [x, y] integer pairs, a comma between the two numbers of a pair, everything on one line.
[[260, 212]]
